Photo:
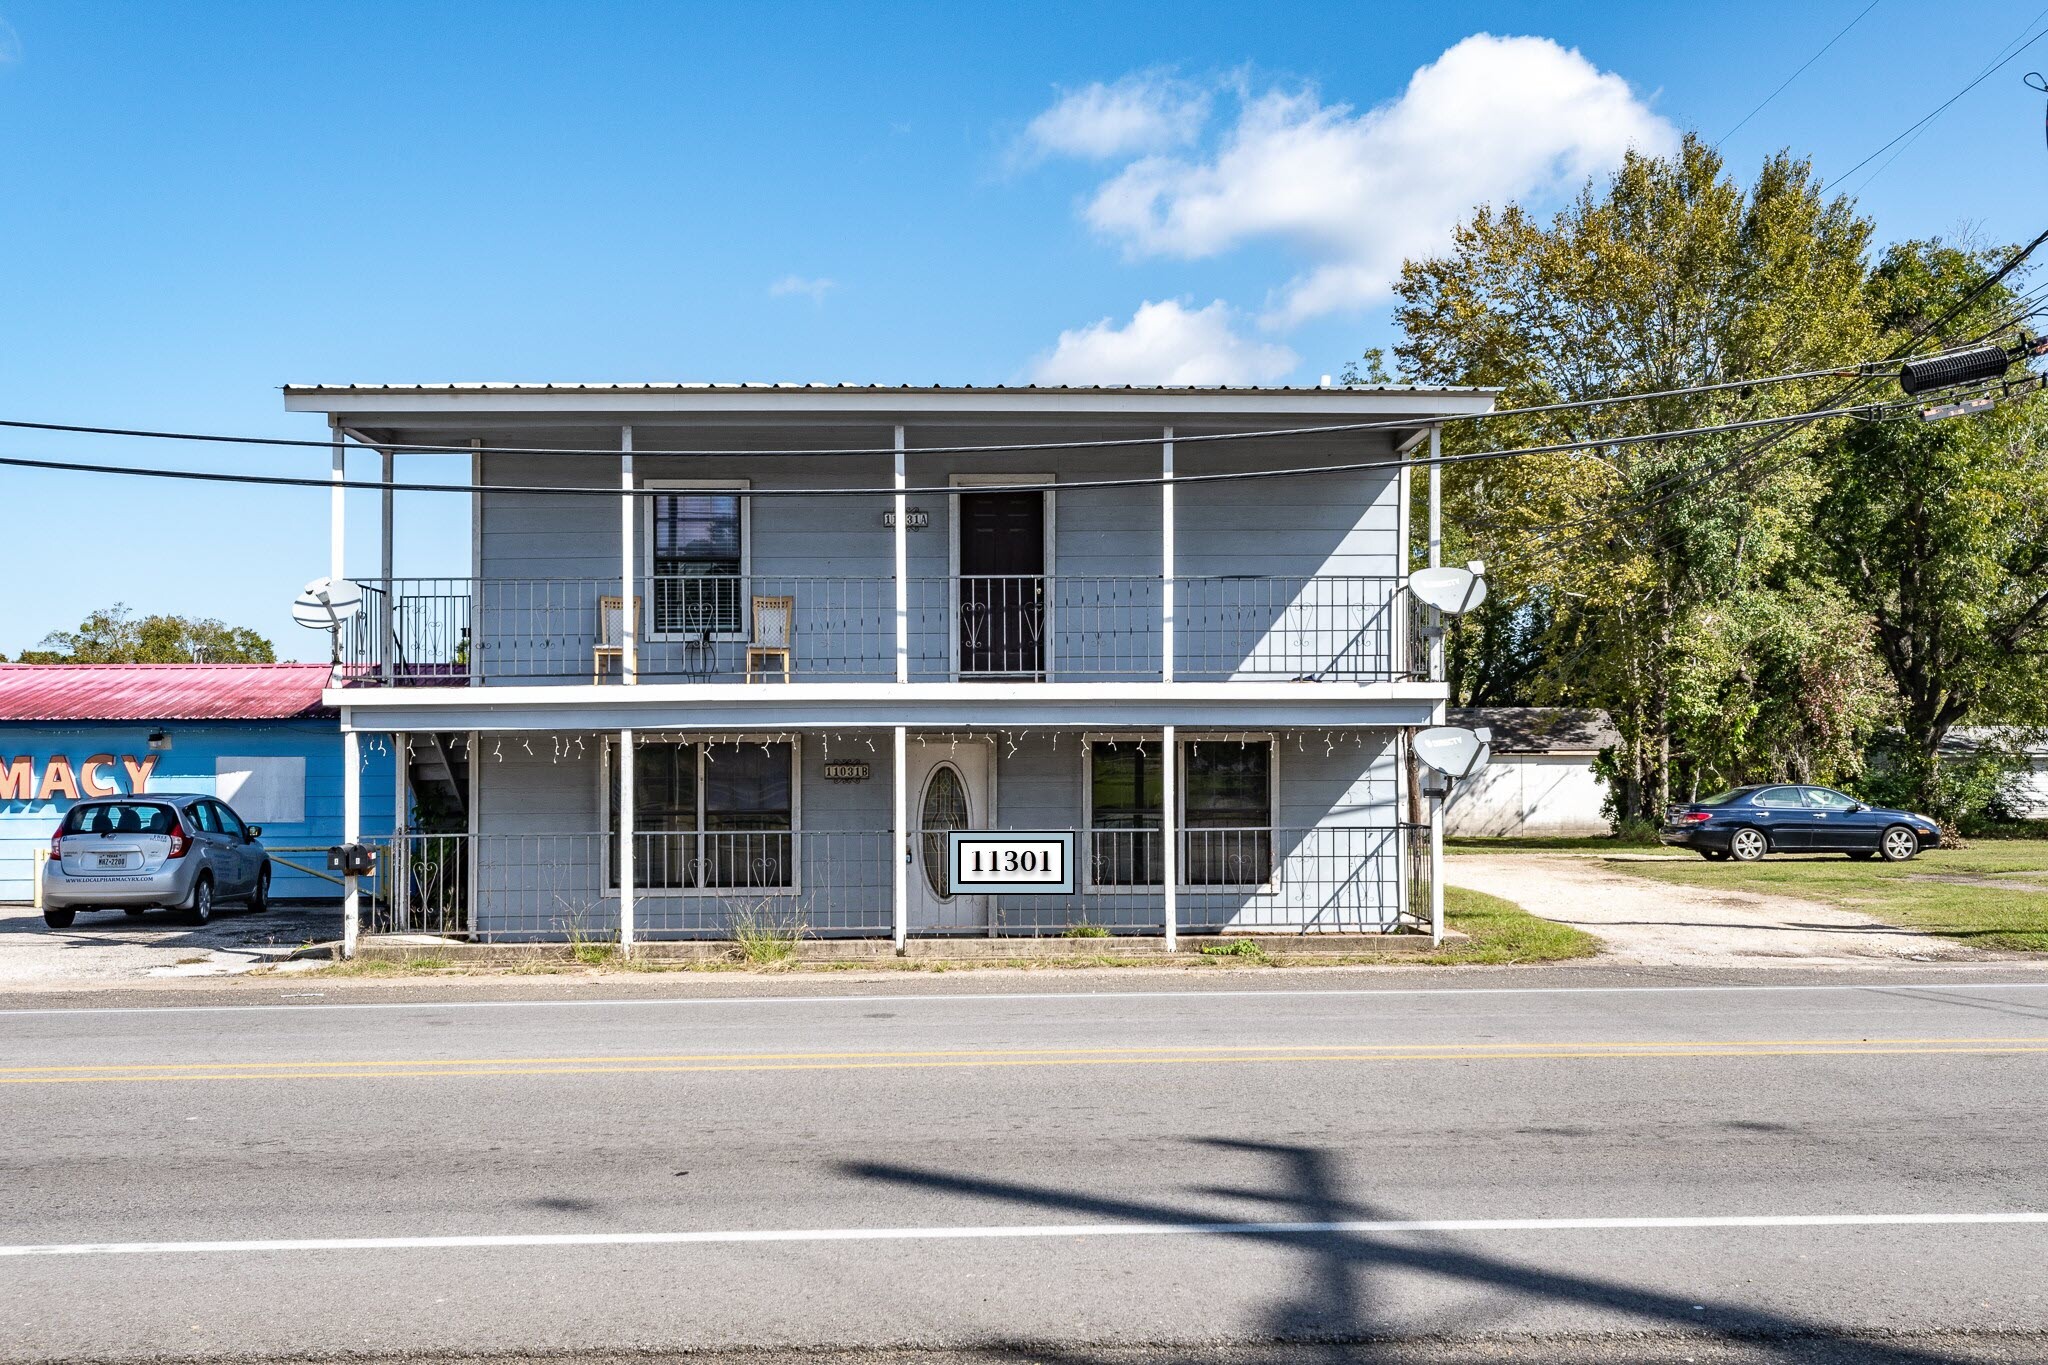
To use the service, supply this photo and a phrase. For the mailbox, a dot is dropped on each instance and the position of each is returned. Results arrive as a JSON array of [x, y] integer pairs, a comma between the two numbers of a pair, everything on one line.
[[352, 860]]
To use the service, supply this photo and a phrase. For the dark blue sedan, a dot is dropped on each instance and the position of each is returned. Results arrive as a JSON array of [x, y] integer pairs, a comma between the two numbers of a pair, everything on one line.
[[1749, 822]]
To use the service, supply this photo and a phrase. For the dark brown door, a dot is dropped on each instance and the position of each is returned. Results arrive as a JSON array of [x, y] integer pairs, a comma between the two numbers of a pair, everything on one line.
[[1002, 584]]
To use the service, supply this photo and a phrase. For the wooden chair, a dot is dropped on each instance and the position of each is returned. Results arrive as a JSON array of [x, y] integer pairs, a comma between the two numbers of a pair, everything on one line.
[[774, 626], [611, 634]]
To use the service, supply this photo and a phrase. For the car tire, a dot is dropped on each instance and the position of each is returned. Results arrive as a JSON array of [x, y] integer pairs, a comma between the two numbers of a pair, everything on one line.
[[1748, 845], [59, 919], [1714, 855], [259, 899], [201, 908], [1864, 855], [1898, 844]]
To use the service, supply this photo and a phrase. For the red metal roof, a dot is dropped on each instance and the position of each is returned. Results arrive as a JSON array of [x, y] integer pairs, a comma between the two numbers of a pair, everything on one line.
[[160, 691]]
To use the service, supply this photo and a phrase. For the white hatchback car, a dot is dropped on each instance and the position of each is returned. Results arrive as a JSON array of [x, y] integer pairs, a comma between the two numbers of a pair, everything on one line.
[[133, 853]]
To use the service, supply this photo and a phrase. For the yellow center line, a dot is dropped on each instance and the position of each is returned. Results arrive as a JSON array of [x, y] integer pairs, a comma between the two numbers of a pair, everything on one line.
[[1017, 1058]]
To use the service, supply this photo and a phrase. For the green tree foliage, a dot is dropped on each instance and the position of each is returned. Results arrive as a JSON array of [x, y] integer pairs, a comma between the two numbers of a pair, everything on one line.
[[1940, 529], [117, 635], [1645, 578]]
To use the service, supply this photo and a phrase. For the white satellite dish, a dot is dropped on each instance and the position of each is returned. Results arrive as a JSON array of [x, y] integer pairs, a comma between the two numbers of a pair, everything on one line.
[[1453, 750], [1448, 589], [323, 603]]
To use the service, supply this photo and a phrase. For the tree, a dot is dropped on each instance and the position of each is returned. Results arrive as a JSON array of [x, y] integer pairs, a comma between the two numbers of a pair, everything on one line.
[[117, 636], [1941, 529], [1639, 562]]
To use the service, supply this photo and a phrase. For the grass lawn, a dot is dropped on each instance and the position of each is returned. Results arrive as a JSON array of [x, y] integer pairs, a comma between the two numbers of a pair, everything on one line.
[[1993, 894], [1502, 931], [1554, 843]]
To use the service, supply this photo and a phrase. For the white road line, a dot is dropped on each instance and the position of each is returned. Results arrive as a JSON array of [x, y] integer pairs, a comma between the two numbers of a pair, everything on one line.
[[1879, 988], [1022, 1232]]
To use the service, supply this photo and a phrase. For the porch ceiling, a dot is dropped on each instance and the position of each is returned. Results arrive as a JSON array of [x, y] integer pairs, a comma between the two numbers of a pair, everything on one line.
[[714, 706]]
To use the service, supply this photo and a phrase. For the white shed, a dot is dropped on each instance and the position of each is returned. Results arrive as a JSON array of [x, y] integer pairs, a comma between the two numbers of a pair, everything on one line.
[[1541, 779]]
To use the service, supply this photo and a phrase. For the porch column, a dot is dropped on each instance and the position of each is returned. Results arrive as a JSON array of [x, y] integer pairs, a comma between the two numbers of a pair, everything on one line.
[[351, 826], [902, 548], [1166, 553], [387, 618], [399, 889], [629, 622], [337, 505], [1169, 821], [1436, 673], [626, 877], [899, 829]]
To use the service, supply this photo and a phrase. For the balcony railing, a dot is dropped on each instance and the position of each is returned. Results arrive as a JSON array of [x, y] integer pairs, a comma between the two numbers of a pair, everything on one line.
[[1054, 628], [838, 883]]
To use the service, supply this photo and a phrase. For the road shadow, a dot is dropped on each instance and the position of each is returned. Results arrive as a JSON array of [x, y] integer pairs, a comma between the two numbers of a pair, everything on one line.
[[1330, 1316]]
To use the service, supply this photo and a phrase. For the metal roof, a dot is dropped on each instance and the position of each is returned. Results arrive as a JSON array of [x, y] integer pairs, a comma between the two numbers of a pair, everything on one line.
[[152, 692], [744, 387]]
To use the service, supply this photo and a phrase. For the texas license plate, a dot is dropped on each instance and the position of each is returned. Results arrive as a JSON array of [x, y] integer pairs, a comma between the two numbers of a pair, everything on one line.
[[113, 860]]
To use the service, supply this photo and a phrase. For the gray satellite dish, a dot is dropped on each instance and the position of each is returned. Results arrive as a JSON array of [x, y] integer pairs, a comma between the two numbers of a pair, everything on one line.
[[1453, 750], [1448, 589], [323, 603]]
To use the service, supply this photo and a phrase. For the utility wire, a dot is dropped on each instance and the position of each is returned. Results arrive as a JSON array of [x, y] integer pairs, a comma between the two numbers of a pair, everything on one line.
[[1800, 72], [1077, 485], [1938, 109], [1022, 447]]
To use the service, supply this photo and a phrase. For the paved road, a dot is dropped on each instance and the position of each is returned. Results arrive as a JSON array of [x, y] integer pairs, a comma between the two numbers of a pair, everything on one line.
[[1607, 1171]]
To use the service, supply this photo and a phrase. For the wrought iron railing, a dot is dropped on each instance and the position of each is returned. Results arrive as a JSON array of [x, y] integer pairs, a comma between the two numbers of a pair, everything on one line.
[[1057, 628]]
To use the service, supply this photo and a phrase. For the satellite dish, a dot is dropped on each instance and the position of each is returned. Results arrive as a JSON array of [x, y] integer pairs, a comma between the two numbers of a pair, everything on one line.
[[323, 603], [1453, 750], [1448, 589]]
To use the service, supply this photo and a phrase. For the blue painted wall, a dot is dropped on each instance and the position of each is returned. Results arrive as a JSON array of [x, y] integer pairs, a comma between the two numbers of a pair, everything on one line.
[[189, 766]]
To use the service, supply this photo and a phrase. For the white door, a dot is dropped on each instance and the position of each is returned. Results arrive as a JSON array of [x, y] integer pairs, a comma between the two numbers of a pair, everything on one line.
[[951, 787]]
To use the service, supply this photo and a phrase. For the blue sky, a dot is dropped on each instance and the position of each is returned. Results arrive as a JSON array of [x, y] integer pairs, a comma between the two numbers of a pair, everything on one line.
[[200, 203]]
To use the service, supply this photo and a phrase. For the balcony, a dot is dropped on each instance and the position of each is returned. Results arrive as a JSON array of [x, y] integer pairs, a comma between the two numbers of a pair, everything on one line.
[[765, 629]]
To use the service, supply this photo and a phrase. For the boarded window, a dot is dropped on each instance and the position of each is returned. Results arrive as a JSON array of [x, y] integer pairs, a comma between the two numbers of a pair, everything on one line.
[[263, 791]]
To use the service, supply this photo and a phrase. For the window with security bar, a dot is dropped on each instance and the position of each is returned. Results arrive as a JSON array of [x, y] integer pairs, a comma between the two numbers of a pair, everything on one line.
[[709, 816], [1226, 812], [698, 550]]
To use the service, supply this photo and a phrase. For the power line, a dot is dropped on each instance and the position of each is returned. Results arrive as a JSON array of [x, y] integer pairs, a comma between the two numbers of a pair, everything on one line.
[[1938, 109], [1022, 447], [1077, 485], [1800, 72]]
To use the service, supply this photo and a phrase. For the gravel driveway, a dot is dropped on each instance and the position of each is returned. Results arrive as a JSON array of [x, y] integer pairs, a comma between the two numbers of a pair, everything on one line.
[[103, 946], [1657, 924]]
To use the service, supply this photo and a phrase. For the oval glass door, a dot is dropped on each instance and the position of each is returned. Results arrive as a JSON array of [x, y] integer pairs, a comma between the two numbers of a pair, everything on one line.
[[943, 809]]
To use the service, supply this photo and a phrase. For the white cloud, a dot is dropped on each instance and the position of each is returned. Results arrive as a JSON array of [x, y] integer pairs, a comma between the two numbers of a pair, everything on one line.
[[1164, 343], [10, 44], [1355, 194], [813, 289], [1147, 111]]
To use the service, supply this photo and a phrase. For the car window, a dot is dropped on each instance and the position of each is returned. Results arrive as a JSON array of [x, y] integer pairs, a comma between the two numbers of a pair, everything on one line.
[[202, 814], [1820, 798], [230, 822], [1723, 798], [119, 817], [1780, 798]]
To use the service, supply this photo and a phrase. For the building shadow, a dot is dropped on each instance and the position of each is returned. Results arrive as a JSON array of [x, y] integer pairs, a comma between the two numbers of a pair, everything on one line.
[[1330, 1316]]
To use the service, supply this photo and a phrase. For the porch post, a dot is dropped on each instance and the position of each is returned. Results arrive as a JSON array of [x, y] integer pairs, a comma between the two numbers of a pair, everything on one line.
[[1436, 673], [902, 538], [629, 623], [1169, 820], [899, 840], [387, 619], [398, 891], [1166, 557], [351, 826], [626, 819], [337, 506]]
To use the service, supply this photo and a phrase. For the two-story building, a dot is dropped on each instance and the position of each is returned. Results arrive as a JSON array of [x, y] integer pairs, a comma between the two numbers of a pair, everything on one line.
[[748, 654]]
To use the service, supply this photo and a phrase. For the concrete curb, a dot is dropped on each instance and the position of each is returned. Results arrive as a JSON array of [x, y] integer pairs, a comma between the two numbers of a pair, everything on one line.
[[412, 948]]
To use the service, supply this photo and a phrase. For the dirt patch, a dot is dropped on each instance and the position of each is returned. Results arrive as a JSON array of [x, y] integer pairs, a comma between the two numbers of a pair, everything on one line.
[[1658, 924], [111, 946]]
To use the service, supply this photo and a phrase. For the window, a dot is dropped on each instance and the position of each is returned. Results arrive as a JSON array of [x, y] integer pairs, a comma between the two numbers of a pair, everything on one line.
[[120, 818], [698, 551], [1228, 812], [1126, 795], [1226, 804], [1780, 798], [203, 816], [1820, 798], [230, 823], [708, 815]]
